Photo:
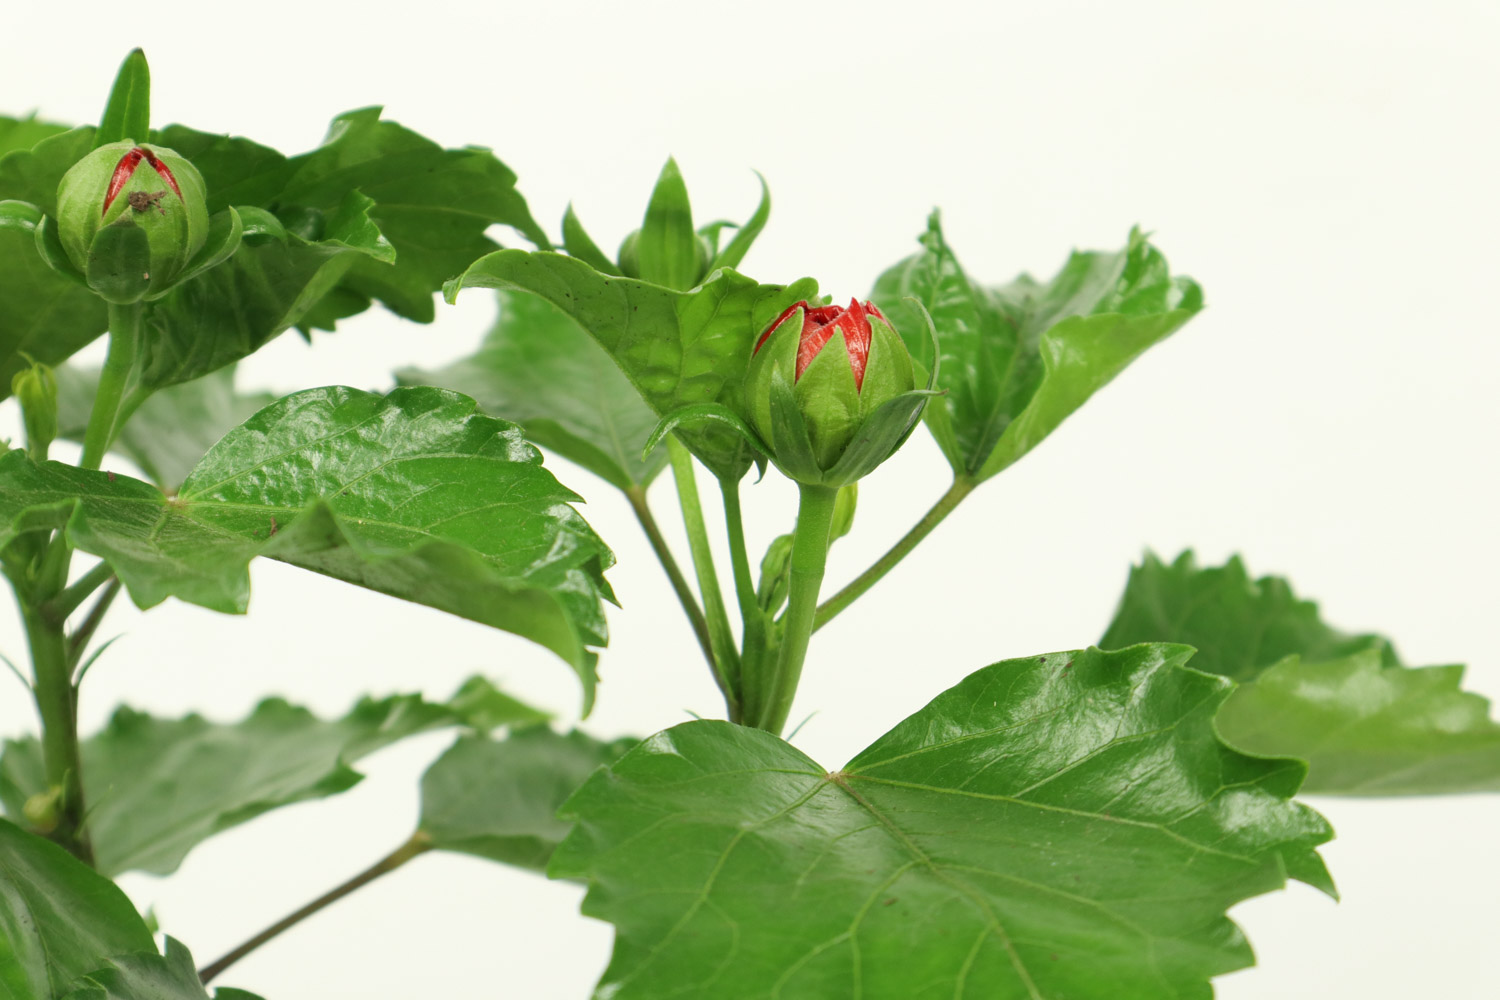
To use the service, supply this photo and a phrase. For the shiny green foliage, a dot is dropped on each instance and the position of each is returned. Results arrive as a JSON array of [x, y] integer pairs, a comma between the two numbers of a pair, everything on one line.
[[375, 213], [1239, 625], [498, 799], [679, 349], [172, 430], [414, 494], [1366, 724], [159, 787], [1017, 359], [1065, 825], [23, 133], [538, 368], [149, 976]]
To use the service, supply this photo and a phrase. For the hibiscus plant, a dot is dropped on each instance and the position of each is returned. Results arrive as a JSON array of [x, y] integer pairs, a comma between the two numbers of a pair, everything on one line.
[[1068, 824]]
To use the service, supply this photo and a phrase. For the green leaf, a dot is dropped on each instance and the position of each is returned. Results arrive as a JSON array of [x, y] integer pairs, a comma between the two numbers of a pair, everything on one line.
[[59, 919], [1238, 625], [1366, 724], [1018, 359], [128, 113], [433, 204], [669, 251], [42, 313], [1056, 826], [33, 173], [172, 430], [149, 976], [578, 243], [23, 133], [498, 799], [745, 235], [538, 368], [677, 348], [156, 788], [414, 494]]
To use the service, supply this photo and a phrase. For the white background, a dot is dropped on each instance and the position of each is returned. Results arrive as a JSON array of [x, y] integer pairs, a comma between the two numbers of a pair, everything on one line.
[[1328, 172]]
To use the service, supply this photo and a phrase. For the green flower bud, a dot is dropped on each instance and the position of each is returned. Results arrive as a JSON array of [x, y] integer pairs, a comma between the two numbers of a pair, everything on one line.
[[43, 810], [132, 217], [36, 390], [630, 255], [830, 389]]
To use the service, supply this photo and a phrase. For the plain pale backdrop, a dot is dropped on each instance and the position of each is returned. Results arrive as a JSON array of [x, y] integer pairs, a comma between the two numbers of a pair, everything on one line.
[[1327, 170]]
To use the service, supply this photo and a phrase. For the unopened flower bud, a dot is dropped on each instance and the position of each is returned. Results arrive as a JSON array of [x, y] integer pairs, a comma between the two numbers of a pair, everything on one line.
[[131, 216], [817, 377], [36, 390]]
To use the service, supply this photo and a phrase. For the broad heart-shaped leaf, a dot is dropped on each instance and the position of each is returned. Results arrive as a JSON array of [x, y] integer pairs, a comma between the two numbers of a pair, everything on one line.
[[158, 787], [1018, 359], [172, 430], [414, 494], [1369, 729], [678, 348], [23, 133], [59, 919], [1060, 826], [42, 313], [1238, 625], [149, 976], [1366, 724], [498, 799], [538, 368]]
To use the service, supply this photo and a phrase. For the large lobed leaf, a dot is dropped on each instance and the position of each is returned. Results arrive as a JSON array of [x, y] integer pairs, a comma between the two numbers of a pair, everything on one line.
[[68, 933], [538, 368], [1057, 826], [498, 799], [414, 494], [158, 787], [375, 213], [1366, 724], [1019, 358], [678, 348]]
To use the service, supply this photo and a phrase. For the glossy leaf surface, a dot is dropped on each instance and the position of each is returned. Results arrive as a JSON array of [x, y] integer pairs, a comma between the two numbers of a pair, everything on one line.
[[1019, 358], [414, 494], [59, 919], [677, 348], [158, 787], [1058, 826], [170, 432], [498, 799], [1366, 724], [538, 368]]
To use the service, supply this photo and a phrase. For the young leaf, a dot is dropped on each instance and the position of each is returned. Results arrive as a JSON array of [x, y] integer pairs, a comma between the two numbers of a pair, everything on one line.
[[1365, 724], [173, 429], [42, 313], [128, 113], [745, 235], [156, 788], [149, 976], [23, 133], [668, 248], [414, 494], [1018, 359], [1057, 826], [677, 348], [538, 368], [59, 919], [578, 243], [498, 799]]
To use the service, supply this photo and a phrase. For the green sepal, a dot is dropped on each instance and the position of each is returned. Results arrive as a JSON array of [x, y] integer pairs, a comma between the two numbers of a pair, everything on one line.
[[830, 401], [49, 247], [578, 244], [790, 441], [745, 235], [127, 115], [669, 251], [225, 232], [259, 226], [119, 262]]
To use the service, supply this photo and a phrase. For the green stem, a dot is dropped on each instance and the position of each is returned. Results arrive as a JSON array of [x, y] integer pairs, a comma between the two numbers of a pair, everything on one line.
[[726, 665], [680, 586], [57, 704], [809, 557], [752, 617], [961, 488], [417, 845], [114, 378], [57, 610]]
